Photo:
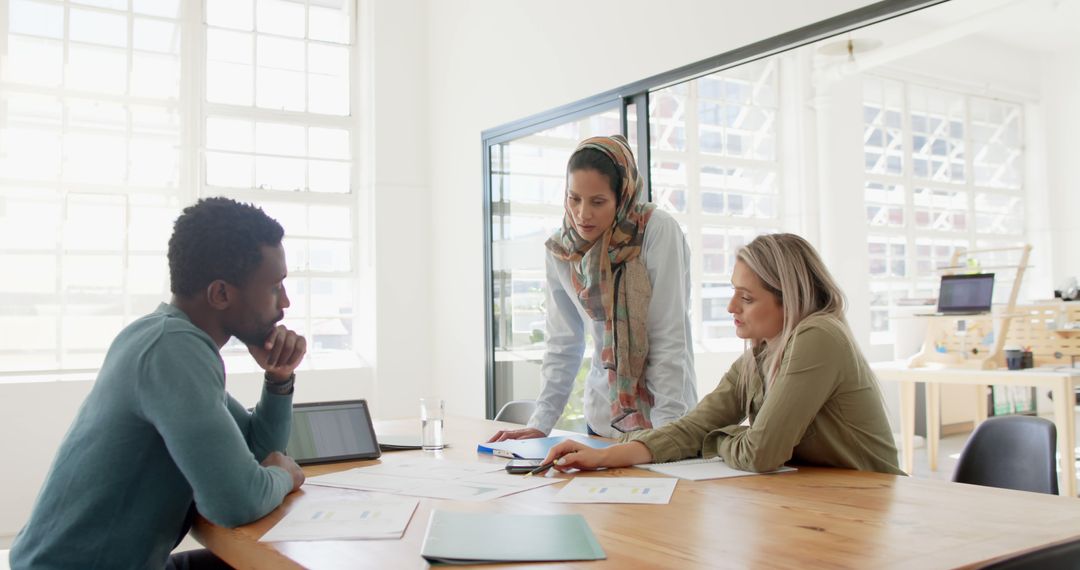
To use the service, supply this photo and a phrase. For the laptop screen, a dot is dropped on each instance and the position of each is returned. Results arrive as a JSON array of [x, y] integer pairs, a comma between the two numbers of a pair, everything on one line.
[[332, 431], [966, 293]]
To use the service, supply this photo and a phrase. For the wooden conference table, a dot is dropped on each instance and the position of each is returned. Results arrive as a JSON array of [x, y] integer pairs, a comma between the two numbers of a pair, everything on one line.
[[1060, 380], [812, 518]]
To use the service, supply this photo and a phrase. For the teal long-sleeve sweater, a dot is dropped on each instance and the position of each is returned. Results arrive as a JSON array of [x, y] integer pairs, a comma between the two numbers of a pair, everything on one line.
[[157, 431]]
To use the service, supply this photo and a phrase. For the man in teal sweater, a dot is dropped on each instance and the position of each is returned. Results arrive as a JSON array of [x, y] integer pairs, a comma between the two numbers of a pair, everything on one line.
[[159, 435]]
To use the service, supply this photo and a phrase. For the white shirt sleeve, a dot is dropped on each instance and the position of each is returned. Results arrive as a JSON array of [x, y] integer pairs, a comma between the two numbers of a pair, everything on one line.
[[565, 349], [669, 373]]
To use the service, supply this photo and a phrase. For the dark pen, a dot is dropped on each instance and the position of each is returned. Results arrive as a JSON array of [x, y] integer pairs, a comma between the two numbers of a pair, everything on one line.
[[542, 468]]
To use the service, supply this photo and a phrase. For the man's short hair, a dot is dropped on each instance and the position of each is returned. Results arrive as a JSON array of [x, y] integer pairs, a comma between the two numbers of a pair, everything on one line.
[[218, 238]]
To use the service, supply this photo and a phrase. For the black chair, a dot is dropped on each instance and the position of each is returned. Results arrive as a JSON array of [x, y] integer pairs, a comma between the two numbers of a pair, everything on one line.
[[1011, 452], [1065, 556]]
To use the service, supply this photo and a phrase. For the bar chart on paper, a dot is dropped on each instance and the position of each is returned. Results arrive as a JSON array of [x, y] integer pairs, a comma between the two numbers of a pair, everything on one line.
[[364, 516], [643, 490]]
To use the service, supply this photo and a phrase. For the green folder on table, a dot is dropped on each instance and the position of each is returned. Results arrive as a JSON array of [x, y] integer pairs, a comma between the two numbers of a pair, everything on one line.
[[473, 538]]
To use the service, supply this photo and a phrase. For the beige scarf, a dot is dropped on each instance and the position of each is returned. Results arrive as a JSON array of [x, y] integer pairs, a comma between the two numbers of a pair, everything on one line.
[[613, 285]]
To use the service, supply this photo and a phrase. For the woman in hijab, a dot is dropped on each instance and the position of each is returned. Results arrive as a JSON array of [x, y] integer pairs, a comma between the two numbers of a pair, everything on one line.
[[619, 271], [802, 382]]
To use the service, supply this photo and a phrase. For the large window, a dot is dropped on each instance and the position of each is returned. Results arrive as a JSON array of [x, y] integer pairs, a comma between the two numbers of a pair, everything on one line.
[[114, 114], [714, 167], [944, 171]]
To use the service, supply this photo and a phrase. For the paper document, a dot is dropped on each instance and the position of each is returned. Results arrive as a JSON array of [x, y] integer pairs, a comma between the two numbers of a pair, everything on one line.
[[471, 538], [365, 516], [644, 490], [436, 478], [701, 469]]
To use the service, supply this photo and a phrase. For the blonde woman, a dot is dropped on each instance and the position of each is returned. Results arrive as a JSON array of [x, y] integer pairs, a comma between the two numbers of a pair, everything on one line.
[[806, 388]]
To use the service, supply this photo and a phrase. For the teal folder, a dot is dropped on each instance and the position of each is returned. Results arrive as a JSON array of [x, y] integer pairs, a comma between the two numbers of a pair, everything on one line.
[[536, 448], [475, 538]]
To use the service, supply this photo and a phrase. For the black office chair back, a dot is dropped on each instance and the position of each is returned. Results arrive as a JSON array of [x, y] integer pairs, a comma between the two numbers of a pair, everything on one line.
[[1064, 556], [1011, 452]]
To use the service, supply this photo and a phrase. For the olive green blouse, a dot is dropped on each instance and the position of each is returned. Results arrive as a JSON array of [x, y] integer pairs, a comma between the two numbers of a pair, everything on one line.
[[824, 408]]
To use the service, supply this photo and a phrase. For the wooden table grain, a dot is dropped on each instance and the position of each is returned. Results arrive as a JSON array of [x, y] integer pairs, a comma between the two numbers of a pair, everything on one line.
[[812, 518]]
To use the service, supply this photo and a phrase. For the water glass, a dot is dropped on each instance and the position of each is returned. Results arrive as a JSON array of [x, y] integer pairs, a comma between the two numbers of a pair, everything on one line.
[[432, 414]]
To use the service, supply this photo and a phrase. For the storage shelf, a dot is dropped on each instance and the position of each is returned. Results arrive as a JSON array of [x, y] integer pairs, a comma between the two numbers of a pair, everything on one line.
[[980, 268]]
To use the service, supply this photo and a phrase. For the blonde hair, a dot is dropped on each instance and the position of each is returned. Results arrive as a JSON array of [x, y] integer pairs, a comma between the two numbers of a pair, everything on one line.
[[791, 269]]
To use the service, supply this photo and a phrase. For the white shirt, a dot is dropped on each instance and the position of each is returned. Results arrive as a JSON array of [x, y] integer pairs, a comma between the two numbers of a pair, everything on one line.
[[669, 371]]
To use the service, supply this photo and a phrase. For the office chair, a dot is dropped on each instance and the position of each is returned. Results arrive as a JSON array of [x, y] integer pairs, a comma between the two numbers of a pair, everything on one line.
[[1011, 452], [516, 411], [1065, 556]]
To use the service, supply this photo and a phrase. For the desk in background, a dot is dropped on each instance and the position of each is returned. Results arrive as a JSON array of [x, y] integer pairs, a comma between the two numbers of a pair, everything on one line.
[[1062, 381], [814, 518]]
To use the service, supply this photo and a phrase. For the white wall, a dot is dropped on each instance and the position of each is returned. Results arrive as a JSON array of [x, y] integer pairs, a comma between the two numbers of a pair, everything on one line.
[[491, 62], [1061, 85], [395, 36]]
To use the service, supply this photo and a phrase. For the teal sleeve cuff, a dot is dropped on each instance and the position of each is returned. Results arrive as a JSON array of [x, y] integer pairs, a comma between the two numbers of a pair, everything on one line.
[[279, 388], [282, 480]]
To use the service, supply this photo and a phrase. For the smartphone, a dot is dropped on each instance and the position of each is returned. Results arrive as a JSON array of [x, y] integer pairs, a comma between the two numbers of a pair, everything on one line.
[[522, 466]]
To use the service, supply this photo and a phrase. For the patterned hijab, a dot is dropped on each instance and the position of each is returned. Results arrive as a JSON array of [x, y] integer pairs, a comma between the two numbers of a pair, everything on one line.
[[613, 286]]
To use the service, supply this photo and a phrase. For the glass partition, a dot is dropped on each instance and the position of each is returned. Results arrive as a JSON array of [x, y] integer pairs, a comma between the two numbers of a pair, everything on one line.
[[528, 179]]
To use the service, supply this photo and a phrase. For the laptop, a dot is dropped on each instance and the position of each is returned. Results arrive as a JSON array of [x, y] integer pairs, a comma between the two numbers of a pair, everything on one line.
[[324, 432], [969, 294]]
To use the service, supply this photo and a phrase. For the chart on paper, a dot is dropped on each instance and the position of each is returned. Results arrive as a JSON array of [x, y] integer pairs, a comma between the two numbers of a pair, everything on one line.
[[644, 490], [361, 516]]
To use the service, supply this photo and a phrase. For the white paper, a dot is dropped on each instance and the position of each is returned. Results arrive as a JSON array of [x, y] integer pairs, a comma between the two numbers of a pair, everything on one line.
[[702, 469], [435, 478], [360, 480], [365, 516], [643, 490], [484, 487], [431, 468]]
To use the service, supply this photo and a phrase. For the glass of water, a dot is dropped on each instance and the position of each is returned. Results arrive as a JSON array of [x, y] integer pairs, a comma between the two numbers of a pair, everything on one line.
[[432, 414]]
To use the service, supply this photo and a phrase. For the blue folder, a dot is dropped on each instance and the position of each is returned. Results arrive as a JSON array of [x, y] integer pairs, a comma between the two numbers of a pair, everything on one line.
[[476, 538], [536, 448]]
